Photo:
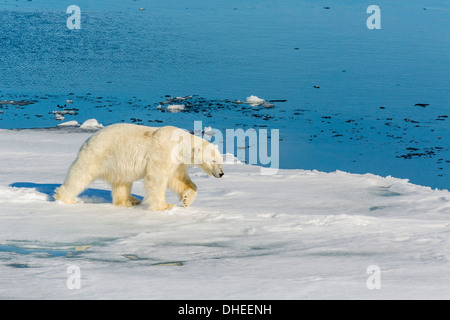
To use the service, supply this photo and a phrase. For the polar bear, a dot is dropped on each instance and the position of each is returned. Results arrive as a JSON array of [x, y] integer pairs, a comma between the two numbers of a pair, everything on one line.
[[123, 153]]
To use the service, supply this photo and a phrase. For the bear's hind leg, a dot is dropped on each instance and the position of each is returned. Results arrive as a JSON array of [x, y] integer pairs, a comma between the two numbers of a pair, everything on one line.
[[121, 193], [72, 187], [156, 193]]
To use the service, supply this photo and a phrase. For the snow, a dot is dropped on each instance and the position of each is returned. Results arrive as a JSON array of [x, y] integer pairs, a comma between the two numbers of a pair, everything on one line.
[[299, 234]]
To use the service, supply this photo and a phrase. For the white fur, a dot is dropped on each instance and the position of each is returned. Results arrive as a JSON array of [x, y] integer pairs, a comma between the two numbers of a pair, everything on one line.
[[123, 153]]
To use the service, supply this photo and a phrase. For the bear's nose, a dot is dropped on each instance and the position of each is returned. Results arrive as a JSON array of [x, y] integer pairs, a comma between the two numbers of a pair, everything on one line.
[[221, 174]]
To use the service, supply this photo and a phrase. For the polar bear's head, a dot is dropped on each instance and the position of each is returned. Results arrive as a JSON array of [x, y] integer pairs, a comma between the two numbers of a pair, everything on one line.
[[209, 158]]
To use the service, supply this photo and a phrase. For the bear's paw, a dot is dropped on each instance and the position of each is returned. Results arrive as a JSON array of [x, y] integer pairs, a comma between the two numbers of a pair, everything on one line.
[[188, 197]]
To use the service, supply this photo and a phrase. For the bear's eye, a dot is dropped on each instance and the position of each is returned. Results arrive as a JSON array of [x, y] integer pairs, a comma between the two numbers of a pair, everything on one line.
[[214, 161]]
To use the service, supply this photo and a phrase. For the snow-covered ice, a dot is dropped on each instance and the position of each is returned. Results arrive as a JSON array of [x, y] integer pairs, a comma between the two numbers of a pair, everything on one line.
[[297, 234], [343, 96]]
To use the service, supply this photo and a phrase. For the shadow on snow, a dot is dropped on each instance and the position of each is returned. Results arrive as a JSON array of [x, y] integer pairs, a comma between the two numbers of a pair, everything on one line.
[[88, 196]]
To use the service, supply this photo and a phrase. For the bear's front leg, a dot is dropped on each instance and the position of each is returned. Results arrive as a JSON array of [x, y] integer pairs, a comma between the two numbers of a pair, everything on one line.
[[156, 194], [188, 196], [160, 206], [183, 186]]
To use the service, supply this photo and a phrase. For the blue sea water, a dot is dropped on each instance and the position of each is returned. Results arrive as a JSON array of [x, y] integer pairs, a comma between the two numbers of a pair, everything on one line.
[[345, 97]]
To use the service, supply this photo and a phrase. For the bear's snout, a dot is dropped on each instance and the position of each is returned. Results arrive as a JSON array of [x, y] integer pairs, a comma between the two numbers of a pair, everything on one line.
[[218, 174]]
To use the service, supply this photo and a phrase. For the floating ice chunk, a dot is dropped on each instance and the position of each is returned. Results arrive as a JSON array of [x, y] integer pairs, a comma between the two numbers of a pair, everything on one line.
[[16, 103], [254, 101], [64, 112], [73, 123], [175, 107], [209, 131], [91, 124], [59, 117], [268, 105]]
